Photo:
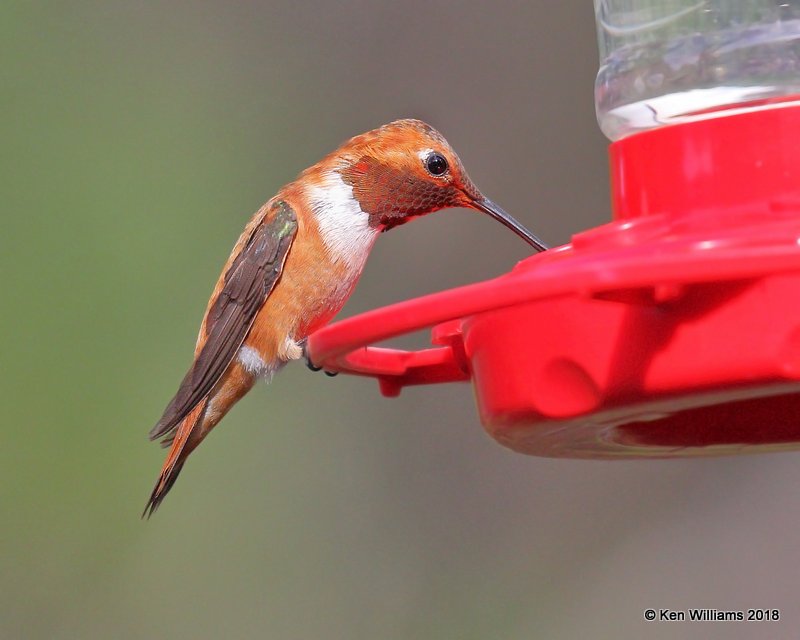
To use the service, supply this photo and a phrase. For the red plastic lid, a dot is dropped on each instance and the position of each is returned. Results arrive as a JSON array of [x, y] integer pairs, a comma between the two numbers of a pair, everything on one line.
[[674, 330]]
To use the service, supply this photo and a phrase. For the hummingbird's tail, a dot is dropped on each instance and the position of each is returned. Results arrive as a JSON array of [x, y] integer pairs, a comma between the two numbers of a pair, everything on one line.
[[180, 448], [197, 424]]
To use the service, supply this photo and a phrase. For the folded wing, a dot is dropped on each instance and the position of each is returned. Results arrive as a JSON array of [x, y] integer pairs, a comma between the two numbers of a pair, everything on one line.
[[248, 282]]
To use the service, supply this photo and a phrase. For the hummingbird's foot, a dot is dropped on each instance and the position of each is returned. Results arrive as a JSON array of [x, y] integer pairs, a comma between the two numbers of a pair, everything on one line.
[[304, 344]]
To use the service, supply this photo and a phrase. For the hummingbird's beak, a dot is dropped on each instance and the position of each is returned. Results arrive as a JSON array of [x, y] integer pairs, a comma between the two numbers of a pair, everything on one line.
[[489, 207]]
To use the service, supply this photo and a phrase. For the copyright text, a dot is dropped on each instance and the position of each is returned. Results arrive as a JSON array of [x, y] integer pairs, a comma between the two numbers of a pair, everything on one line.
[[712, 615]]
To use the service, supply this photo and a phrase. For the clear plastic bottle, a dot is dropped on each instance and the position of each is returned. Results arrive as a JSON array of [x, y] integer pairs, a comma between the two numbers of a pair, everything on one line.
[[668, 61]]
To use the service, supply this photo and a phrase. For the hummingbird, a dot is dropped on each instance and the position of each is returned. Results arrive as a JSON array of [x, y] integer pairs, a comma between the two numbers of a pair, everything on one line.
[[297, 262]]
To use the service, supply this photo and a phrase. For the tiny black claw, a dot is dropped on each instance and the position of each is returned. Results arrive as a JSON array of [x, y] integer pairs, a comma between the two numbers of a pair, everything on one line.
[[304, 343]]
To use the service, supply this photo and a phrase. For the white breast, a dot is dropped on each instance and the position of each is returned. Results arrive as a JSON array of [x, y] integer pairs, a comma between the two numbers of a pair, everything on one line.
[[345, 228]]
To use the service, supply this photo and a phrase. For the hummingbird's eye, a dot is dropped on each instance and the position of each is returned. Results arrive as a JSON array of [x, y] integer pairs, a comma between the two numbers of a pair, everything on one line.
[[436, 164]]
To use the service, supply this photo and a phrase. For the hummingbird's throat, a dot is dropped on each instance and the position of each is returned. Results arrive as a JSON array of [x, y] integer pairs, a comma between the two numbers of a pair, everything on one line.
[[391, 197]]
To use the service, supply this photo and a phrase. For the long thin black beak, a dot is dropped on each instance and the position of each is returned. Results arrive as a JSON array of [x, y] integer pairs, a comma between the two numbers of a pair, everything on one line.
[[489, 207]]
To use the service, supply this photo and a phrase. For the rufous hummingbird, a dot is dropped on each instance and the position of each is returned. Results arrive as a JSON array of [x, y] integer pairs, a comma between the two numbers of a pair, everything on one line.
[[296, 263]]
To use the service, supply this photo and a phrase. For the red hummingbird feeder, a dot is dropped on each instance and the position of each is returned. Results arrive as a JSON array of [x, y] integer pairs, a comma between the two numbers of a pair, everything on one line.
[[674, 330]]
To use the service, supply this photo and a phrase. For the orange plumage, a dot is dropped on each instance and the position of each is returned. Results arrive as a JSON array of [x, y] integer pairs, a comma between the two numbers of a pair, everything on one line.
[[297, 262]]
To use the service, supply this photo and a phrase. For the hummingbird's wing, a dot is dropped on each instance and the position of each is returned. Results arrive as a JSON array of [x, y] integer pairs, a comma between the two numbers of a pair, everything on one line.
[[246, 286]]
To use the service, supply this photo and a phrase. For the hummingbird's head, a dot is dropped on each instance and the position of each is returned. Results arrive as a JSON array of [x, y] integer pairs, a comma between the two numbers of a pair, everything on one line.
[[407, 169]]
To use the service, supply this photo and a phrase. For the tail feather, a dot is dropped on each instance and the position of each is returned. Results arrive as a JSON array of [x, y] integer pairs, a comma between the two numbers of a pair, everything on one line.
[[192, 424], [164, 484], [197, 424]]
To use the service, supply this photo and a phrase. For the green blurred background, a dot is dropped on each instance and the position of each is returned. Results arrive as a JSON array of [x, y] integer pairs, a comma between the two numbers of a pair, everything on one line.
[[137, 140]]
